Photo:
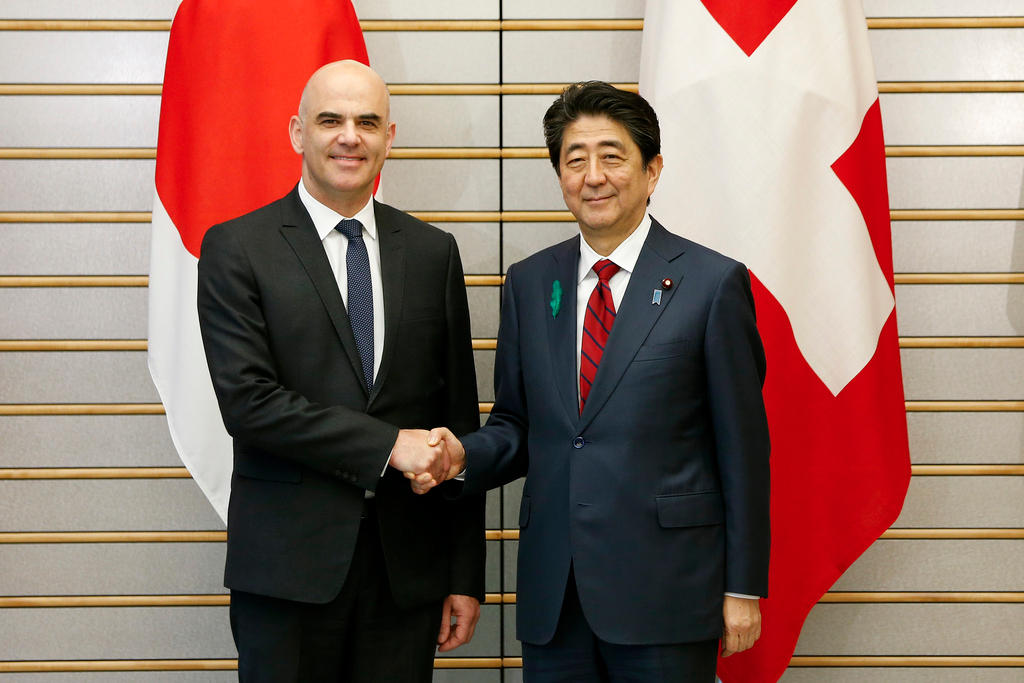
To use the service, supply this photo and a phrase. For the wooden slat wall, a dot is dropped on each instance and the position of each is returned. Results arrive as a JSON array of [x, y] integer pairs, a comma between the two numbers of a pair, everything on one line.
[[61, 492]]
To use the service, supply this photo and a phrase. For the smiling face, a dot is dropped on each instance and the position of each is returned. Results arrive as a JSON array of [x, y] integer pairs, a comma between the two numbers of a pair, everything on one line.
[[604, 182], [343, 133]]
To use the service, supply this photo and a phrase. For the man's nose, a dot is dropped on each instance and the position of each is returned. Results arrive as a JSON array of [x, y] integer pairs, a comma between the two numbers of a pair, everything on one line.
[[347, 134], [595, 173]]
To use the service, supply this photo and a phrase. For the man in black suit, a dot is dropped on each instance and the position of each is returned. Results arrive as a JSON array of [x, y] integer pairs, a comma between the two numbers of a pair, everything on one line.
[[332, 344], [628, 385]]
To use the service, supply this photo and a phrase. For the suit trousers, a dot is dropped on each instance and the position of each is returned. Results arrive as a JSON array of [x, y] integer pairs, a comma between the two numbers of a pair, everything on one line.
[[361, 636], [576, 655]]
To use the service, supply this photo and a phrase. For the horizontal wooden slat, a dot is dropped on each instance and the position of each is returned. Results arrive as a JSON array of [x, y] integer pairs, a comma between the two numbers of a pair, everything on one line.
[[223, 599], [496, 25], [491, 216], [484, 280], [481, 344], [908, 661], [880, 597], [478, 152], [966, 470], [113, 536], [964, 406], [485, 407], [961, 342], [58, 473], [54, 666], [959, 278], [887, 87], [40, 473], [952, 534]]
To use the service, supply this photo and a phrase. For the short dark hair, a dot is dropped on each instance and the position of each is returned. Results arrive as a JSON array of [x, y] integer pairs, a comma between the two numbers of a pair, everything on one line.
[[597, 98]]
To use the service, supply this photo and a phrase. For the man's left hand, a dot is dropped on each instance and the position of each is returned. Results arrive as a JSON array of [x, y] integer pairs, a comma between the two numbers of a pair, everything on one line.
[[742, 624], [466, 611]]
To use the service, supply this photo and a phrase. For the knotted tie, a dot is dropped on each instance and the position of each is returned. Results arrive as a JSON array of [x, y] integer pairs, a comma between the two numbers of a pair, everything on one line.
[[597, 325], [360, 294]]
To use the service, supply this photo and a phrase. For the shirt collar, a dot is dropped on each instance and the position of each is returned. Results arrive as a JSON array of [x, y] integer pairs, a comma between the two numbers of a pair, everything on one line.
[[325, 219], [624, 256]]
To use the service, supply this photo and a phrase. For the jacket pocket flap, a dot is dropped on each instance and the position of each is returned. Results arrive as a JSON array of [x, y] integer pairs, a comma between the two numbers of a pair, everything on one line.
[[690, 509]]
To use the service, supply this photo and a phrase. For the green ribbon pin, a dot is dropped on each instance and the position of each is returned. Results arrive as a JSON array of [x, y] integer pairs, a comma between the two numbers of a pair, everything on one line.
[[556, 298]]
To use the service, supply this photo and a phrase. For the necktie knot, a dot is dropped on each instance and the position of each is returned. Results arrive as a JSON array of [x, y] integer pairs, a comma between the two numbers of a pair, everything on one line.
[[350, 228], [605, 269]]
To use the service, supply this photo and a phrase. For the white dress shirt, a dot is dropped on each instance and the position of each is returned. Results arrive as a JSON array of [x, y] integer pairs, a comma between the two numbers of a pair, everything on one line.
[[624, 256], [336, 245]]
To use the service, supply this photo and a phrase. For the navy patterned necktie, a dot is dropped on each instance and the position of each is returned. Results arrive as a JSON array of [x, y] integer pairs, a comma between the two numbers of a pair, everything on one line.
[[360, 294]]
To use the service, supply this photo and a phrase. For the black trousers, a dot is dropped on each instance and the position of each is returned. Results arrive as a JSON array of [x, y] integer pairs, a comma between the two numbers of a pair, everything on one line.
[[361, 636], [576, 655]]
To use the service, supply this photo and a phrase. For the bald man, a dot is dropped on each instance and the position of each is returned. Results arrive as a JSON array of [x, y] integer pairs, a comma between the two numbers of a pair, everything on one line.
[[336, 330]]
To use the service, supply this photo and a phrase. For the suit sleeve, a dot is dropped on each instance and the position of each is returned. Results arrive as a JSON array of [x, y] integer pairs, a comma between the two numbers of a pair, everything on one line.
[[497, 453], [466, 514], [257, 409], [735, 364]]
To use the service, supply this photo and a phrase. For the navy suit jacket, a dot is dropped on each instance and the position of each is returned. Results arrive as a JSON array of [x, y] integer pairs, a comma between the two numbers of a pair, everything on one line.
[[658, 493]]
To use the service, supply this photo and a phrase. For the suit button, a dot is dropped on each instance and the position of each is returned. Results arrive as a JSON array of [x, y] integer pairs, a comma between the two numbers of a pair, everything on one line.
[[577, 442]]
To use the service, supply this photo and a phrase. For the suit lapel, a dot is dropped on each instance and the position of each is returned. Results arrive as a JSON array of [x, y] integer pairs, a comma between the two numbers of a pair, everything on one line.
[[297, 229], [637, 314], [392, 272], [562, 327]]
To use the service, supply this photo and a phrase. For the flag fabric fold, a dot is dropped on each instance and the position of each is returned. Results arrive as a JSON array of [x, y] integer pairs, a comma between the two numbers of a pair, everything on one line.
[[772, 137], [235, 70]]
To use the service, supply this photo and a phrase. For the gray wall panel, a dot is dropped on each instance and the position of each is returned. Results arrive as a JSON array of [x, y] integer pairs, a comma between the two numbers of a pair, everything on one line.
[[76, 184], [86, 441], [941, 8], [76, 377], [105, 505], [948, 54], [79, 121], [937, 565], [939, 118], [112, 569], [445, 120], [483, 310], [568, 56], [963, 502], [957, 246], [531, 185], [521, 120], [128, 633], [89, 9], [960, 310], [955, 182], [523, 239], [442, 184], [478, 245], [572, 9], [913, 630], [434, 56], [965, 374], [426, 9], [74, 249], [484, 361], [83, 56], [943, 438], [73, 313]]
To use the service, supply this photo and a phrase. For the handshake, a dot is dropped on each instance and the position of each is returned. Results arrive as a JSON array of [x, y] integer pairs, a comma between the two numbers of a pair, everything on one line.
[[427, 458]]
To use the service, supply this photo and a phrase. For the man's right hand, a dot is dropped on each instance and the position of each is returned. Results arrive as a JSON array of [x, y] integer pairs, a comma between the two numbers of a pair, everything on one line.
[[441, 437], [419, 460]]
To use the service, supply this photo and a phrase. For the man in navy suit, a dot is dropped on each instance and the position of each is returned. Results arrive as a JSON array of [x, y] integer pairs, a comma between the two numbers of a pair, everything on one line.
[[628, 384]]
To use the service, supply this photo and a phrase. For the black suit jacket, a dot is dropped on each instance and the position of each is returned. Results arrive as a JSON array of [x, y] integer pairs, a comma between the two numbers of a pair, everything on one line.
[[308, 438], [658, 493]]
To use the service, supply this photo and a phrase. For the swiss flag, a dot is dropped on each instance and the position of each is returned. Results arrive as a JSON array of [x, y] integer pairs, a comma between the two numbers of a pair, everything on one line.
[[774, 155], [235, 71]]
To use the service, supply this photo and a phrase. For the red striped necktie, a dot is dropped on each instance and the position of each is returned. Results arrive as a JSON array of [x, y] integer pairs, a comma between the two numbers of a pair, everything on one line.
[[597, 325]]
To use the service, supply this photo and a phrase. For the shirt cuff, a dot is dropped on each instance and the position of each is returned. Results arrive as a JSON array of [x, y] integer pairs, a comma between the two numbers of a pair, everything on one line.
[[741, 595]]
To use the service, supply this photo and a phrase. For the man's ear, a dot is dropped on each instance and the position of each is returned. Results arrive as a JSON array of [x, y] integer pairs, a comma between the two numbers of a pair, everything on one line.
[[295, 133]]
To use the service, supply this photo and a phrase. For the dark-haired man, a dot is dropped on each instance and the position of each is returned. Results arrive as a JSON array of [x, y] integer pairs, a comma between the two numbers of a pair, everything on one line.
[[628, 392]]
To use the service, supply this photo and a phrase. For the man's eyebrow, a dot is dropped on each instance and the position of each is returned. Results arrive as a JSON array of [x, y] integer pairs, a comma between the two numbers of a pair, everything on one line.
[[617, 144], [369, 116]]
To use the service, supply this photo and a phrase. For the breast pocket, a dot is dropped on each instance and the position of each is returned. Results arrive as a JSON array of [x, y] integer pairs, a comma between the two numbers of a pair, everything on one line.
[[673, 349]]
